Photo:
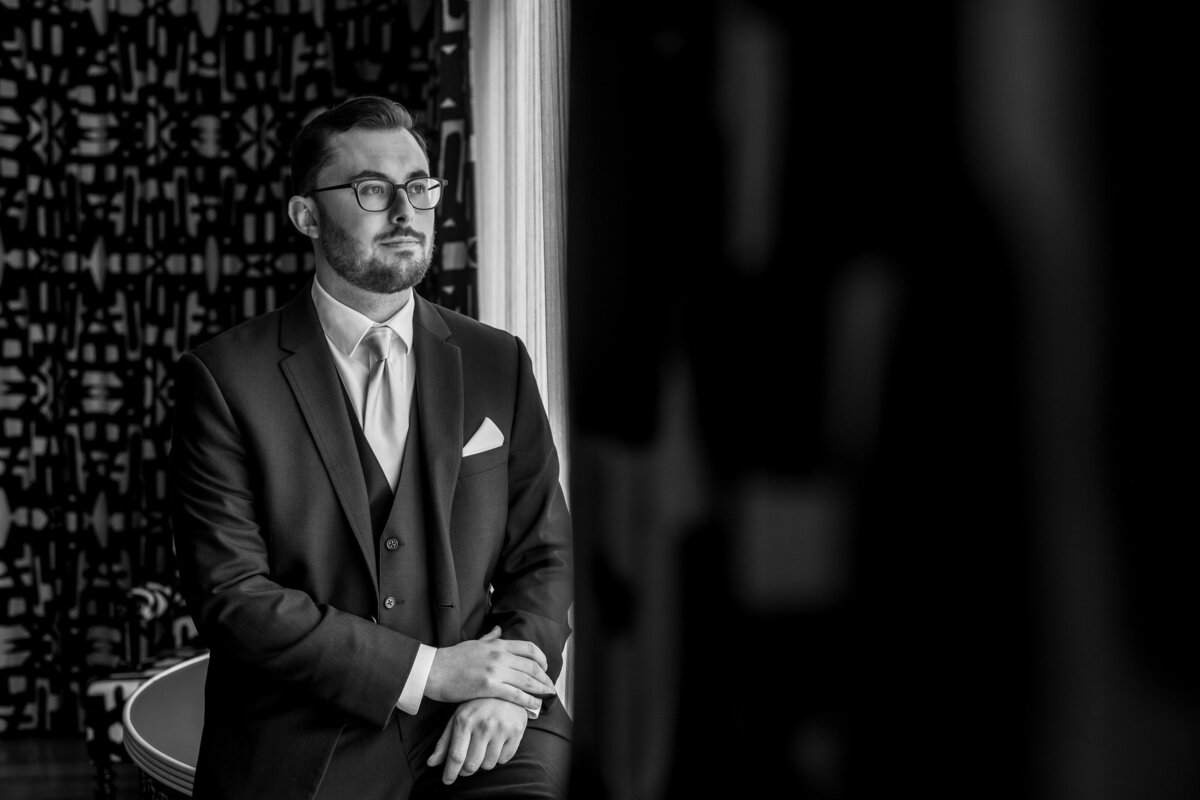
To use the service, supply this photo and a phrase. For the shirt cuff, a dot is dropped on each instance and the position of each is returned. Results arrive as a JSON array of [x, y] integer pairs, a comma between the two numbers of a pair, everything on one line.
[[418, 676]]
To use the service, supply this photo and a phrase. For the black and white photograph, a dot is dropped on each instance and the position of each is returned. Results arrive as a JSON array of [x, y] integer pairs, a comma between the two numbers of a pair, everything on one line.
[[364, 435]]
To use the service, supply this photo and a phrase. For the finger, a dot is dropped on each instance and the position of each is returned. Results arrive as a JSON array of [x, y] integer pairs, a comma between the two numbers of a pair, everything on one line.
[[475, 755], [491, 756], [456, 753], [527, 650], [494, 633], [439, 750], [532, 684], [509, 749], [528, 667], [516, 696]]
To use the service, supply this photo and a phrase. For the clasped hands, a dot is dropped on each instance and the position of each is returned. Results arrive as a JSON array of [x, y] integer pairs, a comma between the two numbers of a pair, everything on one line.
[[497, 683]]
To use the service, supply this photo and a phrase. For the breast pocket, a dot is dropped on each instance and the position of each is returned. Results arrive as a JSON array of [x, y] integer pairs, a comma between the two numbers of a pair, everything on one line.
[[482, 462], [479, 512]]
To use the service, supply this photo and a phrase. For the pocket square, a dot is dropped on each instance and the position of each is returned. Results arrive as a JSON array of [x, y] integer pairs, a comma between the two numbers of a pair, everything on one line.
[[488, 437]]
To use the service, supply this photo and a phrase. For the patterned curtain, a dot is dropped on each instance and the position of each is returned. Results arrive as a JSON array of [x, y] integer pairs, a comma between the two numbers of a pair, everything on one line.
[[143, 182]]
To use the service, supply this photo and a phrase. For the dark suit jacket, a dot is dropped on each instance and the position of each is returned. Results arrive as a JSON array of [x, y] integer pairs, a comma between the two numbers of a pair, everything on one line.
[[276, 551]]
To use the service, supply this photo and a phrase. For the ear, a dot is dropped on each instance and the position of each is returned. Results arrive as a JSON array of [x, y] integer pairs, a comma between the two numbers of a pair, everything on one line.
[[302, 211]]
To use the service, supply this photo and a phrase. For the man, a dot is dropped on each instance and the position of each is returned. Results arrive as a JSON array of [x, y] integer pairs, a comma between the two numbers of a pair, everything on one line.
[[367, 514]]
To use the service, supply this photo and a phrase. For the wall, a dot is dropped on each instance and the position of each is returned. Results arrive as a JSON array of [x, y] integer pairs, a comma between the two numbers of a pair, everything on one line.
[[143, 177]]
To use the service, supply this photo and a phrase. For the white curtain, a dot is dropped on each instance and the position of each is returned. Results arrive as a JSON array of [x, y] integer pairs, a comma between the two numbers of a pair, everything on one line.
[[519, 92]]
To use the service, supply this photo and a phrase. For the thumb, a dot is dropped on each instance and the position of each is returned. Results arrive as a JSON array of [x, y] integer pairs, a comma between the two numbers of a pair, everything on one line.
[[494, 633]]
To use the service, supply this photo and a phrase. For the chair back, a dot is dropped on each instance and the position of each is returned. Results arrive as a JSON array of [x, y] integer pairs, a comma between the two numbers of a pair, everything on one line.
[[162, 721]]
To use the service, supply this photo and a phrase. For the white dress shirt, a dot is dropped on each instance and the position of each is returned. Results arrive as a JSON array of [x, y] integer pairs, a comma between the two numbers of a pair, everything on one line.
[[344, 331]]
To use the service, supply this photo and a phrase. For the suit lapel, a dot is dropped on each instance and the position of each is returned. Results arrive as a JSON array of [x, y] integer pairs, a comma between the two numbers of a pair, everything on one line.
[[314, 380], [440, 393]]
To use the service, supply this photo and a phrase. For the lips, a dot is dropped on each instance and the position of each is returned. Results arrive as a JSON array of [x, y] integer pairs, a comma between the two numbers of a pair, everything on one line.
[[404, 237]]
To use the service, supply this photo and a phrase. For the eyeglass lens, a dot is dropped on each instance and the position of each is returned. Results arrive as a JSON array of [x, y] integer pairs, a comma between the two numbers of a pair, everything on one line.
[[423, 193]]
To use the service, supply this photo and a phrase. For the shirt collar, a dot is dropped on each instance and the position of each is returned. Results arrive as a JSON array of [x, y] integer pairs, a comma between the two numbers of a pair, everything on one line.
[[346, 327]]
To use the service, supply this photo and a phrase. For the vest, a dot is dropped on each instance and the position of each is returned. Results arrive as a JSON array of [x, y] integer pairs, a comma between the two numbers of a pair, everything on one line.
[[398, 524]]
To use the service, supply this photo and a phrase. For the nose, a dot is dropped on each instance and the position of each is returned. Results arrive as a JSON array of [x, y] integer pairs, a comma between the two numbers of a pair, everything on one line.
[[401, 209]]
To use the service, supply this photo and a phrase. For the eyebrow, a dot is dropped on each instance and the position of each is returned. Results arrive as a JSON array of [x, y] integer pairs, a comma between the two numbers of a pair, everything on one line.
[[373, 173]]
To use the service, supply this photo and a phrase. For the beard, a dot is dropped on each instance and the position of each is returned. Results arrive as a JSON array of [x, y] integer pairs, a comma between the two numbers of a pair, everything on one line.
[[371, 272]]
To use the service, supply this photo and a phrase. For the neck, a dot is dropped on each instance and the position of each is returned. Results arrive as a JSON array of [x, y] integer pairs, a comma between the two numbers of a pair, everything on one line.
[[376, 307]]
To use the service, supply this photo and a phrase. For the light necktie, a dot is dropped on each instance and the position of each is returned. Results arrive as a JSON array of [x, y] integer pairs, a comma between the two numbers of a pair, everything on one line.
[[381, 420]]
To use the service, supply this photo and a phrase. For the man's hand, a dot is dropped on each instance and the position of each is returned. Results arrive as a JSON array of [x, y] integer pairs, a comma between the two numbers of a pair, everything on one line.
[[480, 734], [514, 671]]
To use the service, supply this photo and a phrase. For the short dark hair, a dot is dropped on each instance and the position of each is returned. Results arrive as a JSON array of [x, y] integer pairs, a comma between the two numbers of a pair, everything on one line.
[[310, 148]]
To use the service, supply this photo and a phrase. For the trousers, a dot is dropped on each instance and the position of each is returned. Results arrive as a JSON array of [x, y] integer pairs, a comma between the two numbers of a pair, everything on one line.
[[540, 769]]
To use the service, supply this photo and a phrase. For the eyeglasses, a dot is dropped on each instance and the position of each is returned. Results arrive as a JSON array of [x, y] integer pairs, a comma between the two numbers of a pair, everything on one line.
[[375, 194]]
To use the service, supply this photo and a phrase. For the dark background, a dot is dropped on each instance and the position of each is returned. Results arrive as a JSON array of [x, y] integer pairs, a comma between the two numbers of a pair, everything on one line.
[[898, 489]]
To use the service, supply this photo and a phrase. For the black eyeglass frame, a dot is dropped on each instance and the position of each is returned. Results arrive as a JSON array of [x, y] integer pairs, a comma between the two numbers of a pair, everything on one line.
[[441, 183]]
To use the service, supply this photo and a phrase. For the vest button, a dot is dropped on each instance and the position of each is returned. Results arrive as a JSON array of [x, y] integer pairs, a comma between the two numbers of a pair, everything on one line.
[[389, 602], [392, 544]]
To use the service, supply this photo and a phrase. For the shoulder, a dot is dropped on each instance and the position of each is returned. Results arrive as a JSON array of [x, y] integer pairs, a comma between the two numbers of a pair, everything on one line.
[[264, 327], [467, 333], [246, 346], [260, 340], [490, 357]]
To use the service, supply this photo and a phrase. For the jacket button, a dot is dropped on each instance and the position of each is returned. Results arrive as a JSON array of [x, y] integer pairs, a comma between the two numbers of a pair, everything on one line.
[[389, 602], [392, 544]]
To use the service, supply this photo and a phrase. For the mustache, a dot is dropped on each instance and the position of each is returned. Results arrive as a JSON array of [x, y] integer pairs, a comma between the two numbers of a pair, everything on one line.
[[396, 233]]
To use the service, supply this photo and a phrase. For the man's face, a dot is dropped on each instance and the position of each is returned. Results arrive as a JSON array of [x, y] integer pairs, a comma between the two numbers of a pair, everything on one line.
[[383, 251]]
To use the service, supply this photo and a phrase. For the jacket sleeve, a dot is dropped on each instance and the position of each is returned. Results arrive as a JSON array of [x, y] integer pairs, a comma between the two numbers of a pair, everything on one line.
[[533, 582], [335, 657]]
